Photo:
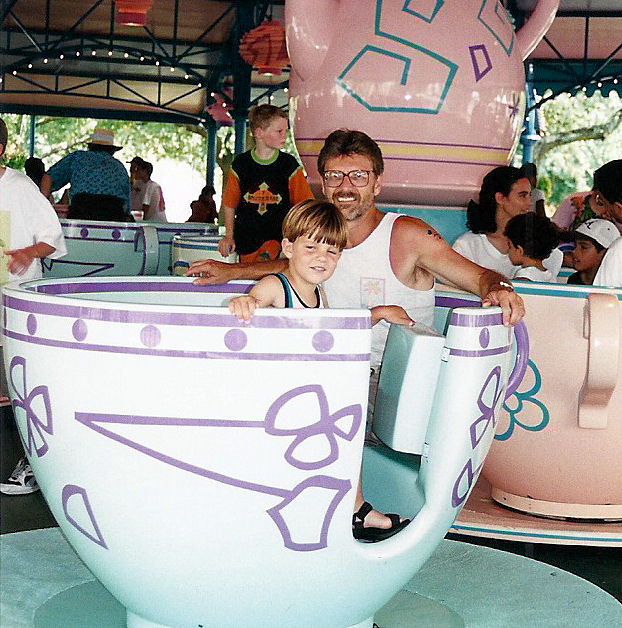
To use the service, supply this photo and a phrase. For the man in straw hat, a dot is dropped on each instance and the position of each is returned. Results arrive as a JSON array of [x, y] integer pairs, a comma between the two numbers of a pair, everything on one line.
[[100, 185]]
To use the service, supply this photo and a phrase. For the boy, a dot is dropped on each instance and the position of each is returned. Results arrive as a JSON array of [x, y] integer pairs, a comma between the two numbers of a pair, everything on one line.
[[153, 202], [531, 239], [314, 235], [263, 184], [29, 230], [592, 240]]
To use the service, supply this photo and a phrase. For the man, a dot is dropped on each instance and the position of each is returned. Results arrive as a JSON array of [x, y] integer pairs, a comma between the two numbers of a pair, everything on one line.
[[608, 197], [100, 185], [29, 231], [390, 260]]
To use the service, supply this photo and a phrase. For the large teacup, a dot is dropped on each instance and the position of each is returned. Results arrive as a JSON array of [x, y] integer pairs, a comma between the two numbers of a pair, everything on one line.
[[119, 248], [439, 85], [186, 249], [557, 449], [205, 469]]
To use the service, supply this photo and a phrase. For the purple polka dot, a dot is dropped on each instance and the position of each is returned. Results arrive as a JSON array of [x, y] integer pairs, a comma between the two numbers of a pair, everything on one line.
[[31, 324], [84, 232], [150, 336], [235, 340], [323, 341], [484, 337], [116, 234], [79, 330]]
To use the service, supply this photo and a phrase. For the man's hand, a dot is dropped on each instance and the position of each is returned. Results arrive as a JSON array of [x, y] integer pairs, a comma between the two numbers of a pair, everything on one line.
[[226, 246], [210, 271], [243, 307], [511, 304], [20, 260]]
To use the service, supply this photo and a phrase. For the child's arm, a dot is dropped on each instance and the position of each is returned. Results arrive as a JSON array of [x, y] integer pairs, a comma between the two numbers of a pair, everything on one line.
[[227, 243], [21, 259], [267, 292], [391, 314]]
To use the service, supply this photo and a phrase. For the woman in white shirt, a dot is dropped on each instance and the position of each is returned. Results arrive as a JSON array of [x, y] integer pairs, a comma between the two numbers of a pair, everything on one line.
[[505, 193]]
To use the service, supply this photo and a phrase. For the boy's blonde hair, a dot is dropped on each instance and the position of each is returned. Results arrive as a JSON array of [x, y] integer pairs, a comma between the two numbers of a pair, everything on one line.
[[319, 220], [260, 116]]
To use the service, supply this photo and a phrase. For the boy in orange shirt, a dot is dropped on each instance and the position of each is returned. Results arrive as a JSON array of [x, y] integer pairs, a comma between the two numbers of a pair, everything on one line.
[[263, 184]]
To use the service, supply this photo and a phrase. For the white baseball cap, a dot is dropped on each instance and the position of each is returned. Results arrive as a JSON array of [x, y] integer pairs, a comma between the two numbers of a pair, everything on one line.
[[599, 230]]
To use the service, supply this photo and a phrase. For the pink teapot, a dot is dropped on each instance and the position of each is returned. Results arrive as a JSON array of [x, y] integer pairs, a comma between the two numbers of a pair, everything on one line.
[[439, 85]]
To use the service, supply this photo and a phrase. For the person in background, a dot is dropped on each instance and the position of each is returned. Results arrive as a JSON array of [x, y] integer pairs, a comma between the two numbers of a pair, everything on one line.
[[153, 205], [136, 186], [505, 193], [592, 239], [35, 169], [29, 231], [537, 196], [608, 197], [204, 208], [531, 239], [262, 185], [100, 185]]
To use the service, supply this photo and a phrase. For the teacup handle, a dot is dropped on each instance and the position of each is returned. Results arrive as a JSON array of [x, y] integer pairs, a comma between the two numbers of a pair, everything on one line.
[[601, 327], [522, 358], [151, 248]]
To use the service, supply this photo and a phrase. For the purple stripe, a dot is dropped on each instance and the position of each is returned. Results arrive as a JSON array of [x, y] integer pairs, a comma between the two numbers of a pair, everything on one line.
[[136, 286], [475, 320], [480, 353], [441, 301], [128, 241], [387, 141], [89, 312], [203, 355]]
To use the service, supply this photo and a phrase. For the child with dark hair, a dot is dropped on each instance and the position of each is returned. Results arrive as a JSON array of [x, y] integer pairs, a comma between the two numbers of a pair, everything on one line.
[[592, 240], [531, 239]]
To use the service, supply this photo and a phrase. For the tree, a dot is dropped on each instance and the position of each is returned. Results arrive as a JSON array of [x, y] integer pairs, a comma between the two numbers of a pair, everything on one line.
[[580, 134]]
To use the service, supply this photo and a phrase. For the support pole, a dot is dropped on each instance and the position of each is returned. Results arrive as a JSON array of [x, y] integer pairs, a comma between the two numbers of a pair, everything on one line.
[[33, 124], [211, 152]]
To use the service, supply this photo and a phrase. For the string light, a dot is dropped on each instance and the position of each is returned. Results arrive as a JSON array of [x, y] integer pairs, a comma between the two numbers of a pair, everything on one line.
[[93, 53], [45, 60], [77, 53], [157, 63], [172, 69], [125, 55], [186, 76], [30, 66], [110, 53], [61, 57]]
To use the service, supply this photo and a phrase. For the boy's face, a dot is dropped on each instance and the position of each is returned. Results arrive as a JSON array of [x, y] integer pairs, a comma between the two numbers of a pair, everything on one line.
[[274, 135], [515, 253], [313, 261], [585, 256]]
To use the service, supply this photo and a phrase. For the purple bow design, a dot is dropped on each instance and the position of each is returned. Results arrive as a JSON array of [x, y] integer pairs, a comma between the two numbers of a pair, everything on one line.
[[488, 412], [31, 404], [285, 417]]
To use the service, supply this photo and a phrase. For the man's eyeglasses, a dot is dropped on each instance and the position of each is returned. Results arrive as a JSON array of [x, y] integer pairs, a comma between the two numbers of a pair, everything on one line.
[[358, 178]]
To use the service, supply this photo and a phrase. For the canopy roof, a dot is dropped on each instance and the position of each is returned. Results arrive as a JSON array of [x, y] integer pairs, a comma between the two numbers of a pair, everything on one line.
[[60, 56]]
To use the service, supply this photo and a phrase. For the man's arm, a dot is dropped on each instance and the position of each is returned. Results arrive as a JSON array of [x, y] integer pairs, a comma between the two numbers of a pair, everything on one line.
[[21, 259], [46, 185], [212, 272], [422, 247]]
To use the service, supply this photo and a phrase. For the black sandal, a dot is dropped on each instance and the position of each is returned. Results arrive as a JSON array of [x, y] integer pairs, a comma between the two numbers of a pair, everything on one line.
[[372, 535]]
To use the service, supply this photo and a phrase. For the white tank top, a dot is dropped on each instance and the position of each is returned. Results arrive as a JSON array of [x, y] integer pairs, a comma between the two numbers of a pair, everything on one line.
[[364, 278]]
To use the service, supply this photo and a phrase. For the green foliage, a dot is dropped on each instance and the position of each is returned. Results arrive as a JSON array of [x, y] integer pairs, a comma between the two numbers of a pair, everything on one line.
[[570, 167]]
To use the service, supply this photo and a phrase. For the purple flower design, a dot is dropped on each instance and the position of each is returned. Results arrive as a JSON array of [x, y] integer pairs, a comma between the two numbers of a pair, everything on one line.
[[32, 408], [284, 418]]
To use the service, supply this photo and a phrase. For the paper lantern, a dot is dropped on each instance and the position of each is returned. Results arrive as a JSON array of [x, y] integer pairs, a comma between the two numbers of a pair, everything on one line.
[[133, 12], [264, 48]]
